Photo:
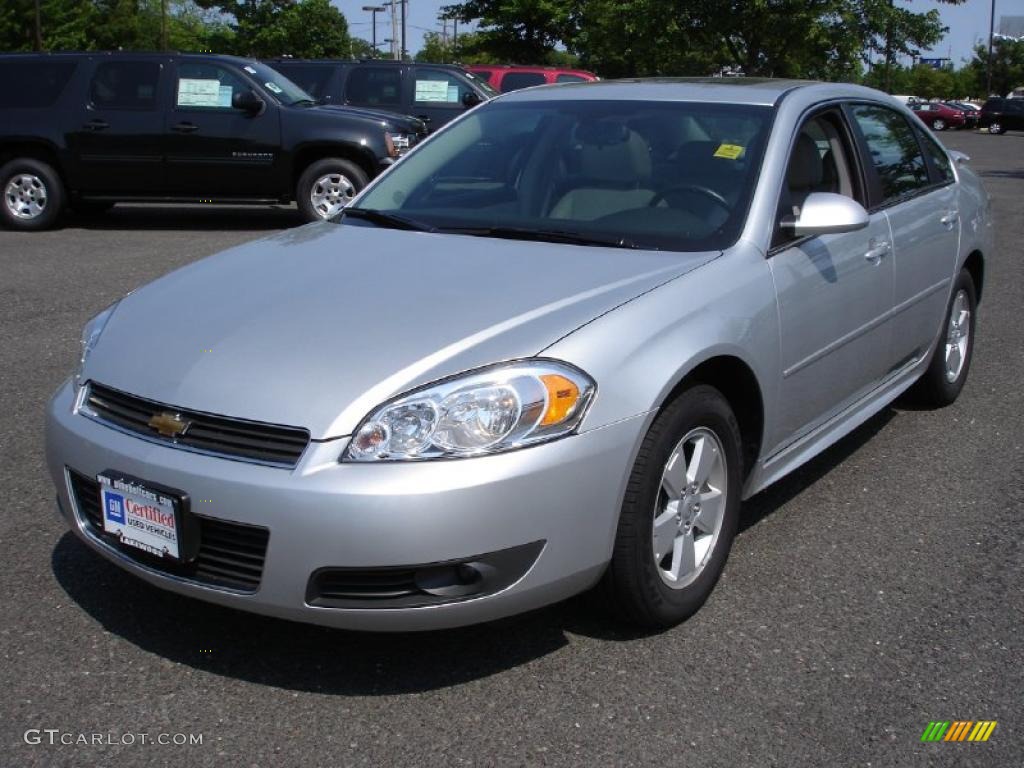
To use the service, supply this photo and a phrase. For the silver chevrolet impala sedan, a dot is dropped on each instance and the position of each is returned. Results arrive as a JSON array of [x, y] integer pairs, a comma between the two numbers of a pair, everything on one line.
[[551, 350]]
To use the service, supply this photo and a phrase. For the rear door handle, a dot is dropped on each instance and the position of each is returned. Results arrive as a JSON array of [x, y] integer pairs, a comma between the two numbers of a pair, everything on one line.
[[185, 127], [949, 220], [877, 251], [97, 125]]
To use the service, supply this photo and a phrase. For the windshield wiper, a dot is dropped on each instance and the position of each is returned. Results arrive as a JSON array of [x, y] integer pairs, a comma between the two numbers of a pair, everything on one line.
[[544, 235], [386, 219]]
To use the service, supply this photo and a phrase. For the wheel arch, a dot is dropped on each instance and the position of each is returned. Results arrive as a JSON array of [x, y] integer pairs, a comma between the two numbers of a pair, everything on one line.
[[37, 149], [738, 383], [309, 153], [975, 265]]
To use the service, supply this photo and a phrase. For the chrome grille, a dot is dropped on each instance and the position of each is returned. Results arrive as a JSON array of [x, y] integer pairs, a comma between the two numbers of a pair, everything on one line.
[[206, 433]]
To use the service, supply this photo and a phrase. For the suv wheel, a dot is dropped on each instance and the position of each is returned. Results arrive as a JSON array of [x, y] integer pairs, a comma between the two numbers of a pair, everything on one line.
[[32, 194], [995, 128], [679, 514], [327, 186], [938, 124]]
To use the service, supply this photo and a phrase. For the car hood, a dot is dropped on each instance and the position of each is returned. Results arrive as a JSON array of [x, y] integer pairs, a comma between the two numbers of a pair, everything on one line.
[[316, 326], [405, 122]]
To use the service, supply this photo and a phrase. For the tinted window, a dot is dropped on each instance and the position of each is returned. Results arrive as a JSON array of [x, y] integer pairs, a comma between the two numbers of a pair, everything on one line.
[[676, 176], [125, 85], [939, 159], [311, 78], [33, 83], [206, 86], [435, 88], [374, 86], [570, 79], [515, 80], [894, 150]]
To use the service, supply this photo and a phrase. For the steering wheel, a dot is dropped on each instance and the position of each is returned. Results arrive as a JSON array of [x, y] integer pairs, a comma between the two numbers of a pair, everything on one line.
[[707, 192]]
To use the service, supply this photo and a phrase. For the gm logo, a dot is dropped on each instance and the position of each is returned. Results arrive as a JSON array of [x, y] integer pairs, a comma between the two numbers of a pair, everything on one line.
[[114, 507]]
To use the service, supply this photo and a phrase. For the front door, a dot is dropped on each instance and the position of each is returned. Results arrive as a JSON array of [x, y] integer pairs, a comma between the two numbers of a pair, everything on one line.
[[834, 292], [215, 150], [116, 136]]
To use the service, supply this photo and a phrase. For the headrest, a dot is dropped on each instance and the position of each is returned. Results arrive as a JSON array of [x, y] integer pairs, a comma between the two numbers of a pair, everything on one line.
[[610, 151], [805, 167]]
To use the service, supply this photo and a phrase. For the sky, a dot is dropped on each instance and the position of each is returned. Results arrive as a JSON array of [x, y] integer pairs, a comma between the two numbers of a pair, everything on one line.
[[967, 23]]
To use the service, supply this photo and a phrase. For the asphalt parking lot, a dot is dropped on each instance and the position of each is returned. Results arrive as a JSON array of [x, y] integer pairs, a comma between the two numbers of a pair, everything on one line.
[[876, 590]]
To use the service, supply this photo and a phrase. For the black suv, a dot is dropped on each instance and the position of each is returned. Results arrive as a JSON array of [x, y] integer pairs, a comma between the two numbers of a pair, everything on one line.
[[435, 93], [89, 130], [1002, 115]]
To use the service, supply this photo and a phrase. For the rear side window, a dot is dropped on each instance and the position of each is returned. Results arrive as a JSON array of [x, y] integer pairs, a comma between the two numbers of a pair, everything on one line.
[[32, 84], [570, 79], [125, 85], [938, 157], [513, 81], [894, 150], [374, 86]]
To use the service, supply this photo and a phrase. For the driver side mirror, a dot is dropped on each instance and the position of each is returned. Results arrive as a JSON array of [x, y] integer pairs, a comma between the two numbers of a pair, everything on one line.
[[470, 99], [247, 101], [826, 213]]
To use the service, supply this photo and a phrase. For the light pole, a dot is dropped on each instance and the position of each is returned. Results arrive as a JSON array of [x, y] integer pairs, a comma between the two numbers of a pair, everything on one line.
[[374, 10], [404, 3], [988, 65]]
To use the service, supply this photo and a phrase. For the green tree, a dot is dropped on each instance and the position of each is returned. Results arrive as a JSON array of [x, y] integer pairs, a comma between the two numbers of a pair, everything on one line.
[[1007, 68], [515, 31]]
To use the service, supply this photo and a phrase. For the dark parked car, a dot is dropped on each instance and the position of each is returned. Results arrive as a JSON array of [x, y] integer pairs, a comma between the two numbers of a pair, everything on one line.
[[90, 130], [434, 93], [1002, 115], [938, 116]]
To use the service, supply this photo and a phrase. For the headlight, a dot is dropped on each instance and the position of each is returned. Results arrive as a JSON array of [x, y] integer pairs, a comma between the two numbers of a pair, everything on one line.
[[489, 411], [401, 142], [91, 335]]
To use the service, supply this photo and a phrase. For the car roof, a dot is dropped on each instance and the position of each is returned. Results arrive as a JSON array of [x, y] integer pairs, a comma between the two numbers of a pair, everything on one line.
[[135, 55], [726, 90]]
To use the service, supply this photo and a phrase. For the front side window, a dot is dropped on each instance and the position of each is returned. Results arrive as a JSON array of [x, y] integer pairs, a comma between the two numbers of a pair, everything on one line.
[[125, 85], [374, 86], [513, 81], [206, 87], [437, 88], [894, 150], [674, 176]]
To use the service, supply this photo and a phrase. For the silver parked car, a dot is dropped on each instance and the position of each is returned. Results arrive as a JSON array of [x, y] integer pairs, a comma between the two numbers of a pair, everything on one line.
[[552, 349]]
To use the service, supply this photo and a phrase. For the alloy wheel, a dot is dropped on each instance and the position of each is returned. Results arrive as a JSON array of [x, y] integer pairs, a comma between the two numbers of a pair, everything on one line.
[[690, 507], [958, 335], [25, 196], [330, 193], [939, 125]]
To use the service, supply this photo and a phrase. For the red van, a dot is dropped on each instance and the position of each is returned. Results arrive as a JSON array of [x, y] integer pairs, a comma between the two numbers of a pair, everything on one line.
[[512, 77]]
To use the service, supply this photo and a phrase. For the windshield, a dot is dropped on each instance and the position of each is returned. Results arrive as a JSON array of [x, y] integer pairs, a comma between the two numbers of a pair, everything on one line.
[[659, 175], [482, 83], [284, 90]]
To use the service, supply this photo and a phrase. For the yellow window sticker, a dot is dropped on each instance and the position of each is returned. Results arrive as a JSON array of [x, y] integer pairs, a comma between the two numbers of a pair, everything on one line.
[[729, 151]]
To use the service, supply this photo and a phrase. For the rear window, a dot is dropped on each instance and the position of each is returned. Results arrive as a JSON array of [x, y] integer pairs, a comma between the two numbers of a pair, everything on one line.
[[32, 84], [570, 79], [513, 81]]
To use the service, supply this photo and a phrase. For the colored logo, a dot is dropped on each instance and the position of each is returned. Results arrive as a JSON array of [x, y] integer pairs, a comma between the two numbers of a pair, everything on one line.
[[115, 507], [958, 730]]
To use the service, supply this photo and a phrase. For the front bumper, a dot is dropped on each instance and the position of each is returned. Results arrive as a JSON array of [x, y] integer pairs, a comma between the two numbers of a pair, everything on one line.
[[325, 515]]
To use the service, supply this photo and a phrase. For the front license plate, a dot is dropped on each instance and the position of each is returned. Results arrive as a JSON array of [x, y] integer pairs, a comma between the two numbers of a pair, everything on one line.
[[140, 516]]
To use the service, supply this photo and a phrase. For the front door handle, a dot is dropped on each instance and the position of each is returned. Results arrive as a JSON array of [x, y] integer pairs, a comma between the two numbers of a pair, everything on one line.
[[877, 251], [96, 125], [949, 220], [185, 127]]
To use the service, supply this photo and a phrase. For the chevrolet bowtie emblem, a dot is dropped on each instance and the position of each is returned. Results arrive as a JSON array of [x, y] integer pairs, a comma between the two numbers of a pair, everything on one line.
[[169, 424]]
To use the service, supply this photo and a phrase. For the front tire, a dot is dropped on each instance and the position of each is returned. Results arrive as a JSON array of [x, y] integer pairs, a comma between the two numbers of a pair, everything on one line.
[[938, 124], [680, 512], [995, 129], [33, 195], [327, 186], [946, 374]]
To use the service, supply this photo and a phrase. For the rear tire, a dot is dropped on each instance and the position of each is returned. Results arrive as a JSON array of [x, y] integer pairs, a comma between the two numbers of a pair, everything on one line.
[[33, 195], [995, 129], [946, 374], [327, 186], [670, 548], [938, 124]]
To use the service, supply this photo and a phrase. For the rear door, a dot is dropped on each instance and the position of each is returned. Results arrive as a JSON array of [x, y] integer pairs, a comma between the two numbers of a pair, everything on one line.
[[116, 134], [912, 183], [215, 150]]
